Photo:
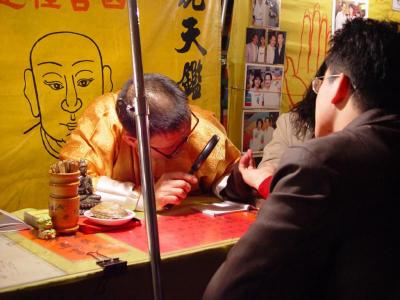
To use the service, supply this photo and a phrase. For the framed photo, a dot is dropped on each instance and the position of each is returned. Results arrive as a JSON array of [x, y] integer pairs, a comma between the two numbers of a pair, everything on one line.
[[274, 7], [255, 45], [259, 13], [258, 127], [347, 10], [265, 13], [263, 86], [275, 49]]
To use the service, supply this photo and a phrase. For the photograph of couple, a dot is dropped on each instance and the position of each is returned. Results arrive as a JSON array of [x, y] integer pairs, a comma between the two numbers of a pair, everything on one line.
[[258, 129], [263, 86]]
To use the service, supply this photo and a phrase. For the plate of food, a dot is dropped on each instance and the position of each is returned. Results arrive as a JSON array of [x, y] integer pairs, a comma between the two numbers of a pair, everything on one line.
[[109, 214]]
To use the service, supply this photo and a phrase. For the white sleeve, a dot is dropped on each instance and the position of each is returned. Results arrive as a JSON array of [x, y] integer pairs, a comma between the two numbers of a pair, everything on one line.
[[220, 185], [121, 192]]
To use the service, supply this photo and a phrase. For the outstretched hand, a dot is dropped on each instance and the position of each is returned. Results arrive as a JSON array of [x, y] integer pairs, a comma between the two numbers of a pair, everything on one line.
[[172, 188], [251, 175]]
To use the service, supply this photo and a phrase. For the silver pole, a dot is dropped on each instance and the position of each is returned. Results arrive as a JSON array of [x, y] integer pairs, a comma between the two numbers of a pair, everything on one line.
[[223, 14], [142, 129]]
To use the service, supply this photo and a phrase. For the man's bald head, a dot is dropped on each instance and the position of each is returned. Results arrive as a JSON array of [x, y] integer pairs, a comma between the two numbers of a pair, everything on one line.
[[168, 106]]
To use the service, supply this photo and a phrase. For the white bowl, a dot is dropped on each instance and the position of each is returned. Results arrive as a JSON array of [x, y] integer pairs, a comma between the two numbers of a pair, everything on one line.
[[110, 222]]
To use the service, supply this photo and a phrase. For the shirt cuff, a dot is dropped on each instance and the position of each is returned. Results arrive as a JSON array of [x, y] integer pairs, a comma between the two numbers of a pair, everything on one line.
[[263, 188], [220, 185]]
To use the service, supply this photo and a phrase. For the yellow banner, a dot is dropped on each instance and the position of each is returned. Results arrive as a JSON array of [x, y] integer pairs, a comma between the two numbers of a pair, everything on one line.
[[58, 55], [307, 25]]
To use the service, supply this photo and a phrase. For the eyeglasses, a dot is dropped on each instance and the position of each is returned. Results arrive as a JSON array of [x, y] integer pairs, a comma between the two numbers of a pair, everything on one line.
[[317, 82], [178, 146]]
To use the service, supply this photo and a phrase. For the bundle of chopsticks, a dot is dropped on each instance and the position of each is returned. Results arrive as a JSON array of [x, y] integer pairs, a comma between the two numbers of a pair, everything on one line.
[[65, 166]]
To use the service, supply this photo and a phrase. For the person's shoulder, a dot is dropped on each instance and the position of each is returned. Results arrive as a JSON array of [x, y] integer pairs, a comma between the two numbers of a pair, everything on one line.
[[197, 110], [103, 105], [100, 110], [207, 117], [284, 120], [328, 150], [284, 116]]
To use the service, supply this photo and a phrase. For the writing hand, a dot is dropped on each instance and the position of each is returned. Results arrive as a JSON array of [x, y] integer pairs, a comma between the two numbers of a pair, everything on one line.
[[172, 188]]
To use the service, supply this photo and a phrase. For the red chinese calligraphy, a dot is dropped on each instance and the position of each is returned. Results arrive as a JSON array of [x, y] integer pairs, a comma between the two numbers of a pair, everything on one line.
[[77, 5], [118, 4], [47, 3], [12, 4], [80, 5]]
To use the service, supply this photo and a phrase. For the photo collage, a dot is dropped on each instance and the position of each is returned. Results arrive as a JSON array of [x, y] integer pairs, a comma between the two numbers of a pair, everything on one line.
[[264, 71]]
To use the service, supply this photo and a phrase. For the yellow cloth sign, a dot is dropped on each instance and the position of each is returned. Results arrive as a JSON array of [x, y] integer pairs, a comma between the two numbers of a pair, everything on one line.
[[58, 55], [308, 27]]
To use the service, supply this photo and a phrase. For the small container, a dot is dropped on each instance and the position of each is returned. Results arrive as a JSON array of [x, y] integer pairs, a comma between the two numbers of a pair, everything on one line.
[[64, 190], [64, 177], [64, 213]]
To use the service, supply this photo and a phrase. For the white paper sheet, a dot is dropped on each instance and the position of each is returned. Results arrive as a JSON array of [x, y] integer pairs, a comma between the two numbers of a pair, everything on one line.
[[19, 266], [221, 208]]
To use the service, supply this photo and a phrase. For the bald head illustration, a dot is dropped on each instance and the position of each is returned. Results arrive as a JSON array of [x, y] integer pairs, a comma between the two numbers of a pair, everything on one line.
[[66, 72]]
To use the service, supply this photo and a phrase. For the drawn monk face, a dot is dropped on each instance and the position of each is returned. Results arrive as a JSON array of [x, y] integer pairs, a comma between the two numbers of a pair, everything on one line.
[[66, 73]]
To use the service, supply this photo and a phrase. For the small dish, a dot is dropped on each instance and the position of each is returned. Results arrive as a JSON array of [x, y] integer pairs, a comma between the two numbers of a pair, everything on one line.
[[110, 222]]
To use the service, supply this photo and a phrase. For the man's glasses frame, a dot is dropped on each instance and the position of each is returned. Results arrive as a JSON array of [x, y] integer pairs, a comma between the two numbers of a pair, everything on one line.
[[317, 82], [180, 144]]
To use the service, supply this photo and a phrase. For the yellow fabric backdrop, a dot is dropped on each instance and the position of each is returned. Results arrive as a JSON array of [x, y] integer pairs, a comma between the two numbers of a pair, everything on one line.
[[308, 26], [27, 145]]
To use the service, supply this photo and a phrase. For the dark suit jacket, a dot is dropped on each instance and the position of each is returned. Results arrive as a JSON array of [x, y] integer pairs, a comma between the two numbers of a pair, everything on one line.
[[279, 58], [330, 228]]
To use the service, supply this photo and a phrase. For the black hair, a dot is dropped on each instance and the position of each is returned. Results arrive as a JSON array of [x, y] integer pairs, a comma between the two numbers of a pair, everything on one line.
[[168, 106], [268, 73], [257, 73], [303, 112], [259, 121], [367, 52]]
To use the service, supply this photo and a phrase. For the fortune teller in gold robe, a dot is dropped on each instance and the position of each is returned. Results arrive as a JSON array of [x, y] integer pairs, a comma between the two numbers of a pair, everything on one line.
[[106, 138]]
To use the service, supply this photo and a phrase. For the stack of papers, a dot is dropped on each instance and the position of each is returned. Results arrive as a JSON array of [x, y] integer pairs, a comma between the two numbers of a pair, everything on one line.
[[222, 208], [10, 223]]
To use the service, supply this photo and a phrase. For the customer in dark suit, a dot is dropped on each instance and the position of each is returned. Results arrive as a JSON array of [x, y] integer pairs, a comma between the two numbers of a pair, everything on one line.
[[279, 57], [330, 226]]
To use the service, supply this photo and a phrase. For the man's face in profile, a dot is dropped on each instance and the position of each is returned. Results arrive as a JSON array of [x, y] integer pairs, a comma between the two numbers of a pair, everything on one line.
[[66, 79], [280, 39], [325, 110]]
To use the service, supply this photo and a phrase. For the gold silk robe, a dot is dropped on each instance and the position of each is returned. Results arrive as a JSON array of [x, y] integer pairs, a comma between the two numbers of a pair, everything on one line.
[[98, 139]]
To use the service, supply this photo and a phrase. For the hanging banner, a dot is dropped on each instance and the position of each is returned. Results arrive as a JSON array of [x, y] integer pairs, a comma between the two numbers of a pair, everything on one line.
[[57, 56]]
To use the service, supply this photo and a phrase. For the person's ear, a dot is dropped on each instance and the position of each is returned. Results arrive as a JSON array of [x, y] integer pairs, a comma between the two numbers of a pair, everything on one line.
[[30, 92], [107, 80], [342, 89]]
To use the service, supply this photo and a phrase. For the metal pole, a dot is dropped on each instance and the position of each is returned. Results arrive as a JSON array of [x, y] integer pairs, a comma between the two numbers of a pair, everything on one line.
[[142, 129], [223, 14]]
